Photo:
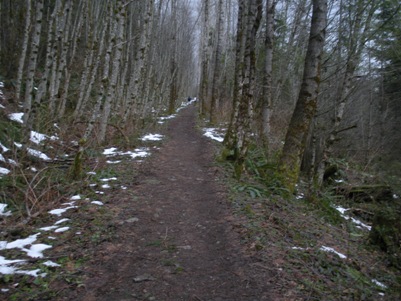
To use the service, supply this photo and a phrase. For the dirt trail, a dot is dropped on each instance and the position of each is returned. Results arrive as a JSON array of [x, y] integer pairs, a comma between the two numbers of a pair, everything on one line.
[[174, 234]]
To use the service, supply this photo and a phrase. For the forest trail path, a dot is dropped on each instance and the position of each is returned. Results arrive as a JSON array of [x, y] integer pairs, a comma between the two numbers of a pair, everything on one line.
[[175, 237]]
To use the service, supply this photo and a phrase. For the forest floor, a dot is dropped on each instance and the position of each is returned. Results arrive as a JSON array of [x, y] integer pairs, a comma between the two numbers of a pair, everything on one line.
[[183, 229], [173, 232]]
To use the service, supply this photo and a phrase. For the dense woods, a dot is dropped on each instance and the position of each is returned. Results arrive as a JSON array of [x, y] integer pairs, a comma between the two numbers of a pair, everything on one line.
[[102, 70], [308, 93], [107, 67]]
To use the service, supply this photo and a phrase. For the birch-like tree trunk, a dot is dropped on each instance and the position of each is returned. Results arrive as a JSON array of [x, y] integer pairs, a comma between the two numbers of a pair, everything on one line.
[[294, 146], [237, 137], [267, 93], [205, 42], [33, 58], [50, 55], [64, 33], [106, 71], [359, 29], [217, 58], [118, 45], [70, 60], [141, 61], [24, 49], [173, 59]]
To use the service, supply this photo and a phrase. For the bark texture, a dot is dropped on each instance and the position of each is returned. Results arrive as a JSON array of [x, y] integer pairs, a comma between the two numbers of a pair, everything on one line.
[[294, 146]]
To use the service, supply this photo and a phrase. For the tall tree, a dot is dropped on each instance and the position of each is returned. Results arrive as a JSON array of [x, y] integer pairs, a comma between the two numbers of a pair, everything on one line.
[[119, 27], [295, 141], [267, 93], [32, 65], [205, 44], [237, 137], [217, 63], [24, 49]]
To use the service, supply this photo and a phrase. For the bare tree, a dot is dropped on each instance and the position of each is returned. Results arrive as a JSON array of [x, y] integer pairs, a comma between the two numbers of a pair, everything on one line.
[[217, 63], [266, 99], [294, 147], [24, 49], [237, 137], [33, 58]]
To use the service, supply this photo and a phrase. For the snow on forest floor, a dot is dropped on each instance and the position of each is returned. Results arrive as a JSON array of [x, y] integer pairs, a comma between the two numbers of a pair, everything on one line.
[[31, 246]]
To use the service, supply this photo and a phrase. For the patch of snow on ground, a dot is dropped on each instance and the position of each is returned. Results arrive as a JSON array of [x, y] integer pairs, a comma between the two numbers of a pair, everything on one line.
[[61, 221], [163, 118], [109, 179], [60, 211], [37, 137], [38, 154], [331, 250], [113, 162], [49, 228], [110, 151], [138, 152], [213, 134], [99, 203], [354, 220], [17, 117], [36, 251], [152, 137], [3, 211], [4, 149], [75, 197], [50, 263], [62, 229], [379, 284]]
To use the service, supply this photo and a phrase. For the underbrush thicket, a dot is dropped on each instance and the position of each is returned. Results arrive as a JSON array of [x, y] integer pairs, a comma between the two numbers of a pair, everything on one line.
[[292, 233]]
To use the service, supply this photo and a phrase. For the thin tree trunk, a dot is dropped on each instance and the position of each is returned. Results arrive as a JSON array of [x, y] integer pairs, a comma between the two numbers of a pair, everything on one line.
[[173, 60], [120, 22], [50, 55], [141, 62], [237, 138], [64, 34], [24, 49], [216, 70], [355, 47], [266, 106], [205, 58], [33, 57], [294, 146]]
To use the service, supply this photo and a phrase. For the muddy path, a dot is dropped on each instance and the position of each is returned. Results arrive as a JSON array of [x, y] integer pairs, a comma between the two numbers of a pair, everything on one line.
[[174, 233]]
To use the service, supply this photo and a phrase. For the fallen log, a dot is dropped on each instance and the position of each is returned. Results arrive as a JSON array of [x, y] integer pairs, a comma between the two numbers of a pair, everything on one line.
[[367, 193]]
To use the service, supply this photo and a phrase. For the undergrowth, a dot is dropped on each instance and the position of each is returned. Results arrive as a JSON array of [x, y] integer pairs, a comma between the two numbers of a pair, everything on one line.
[[287, 232]]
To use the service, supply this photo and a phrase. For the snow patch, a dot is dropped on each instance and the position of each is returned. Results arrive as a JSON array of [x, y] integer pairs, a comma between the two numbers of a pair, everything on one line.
[[99, 203], [60, 211], [331, 250], [17, 117], [152, 137], [213, 134], [3, 211], [354, 220]]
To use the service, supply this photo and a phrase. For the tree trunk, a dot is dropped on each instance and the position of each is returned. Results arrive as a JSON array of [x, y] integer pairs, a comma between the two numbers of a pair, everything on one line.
[[266, 106], [140, 64], [216, 71], [237, 137], [294, 146], [115, 69], [23, 50], [354, 50], [64, 33], [33, 58], [173, 61], [204, 80]]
